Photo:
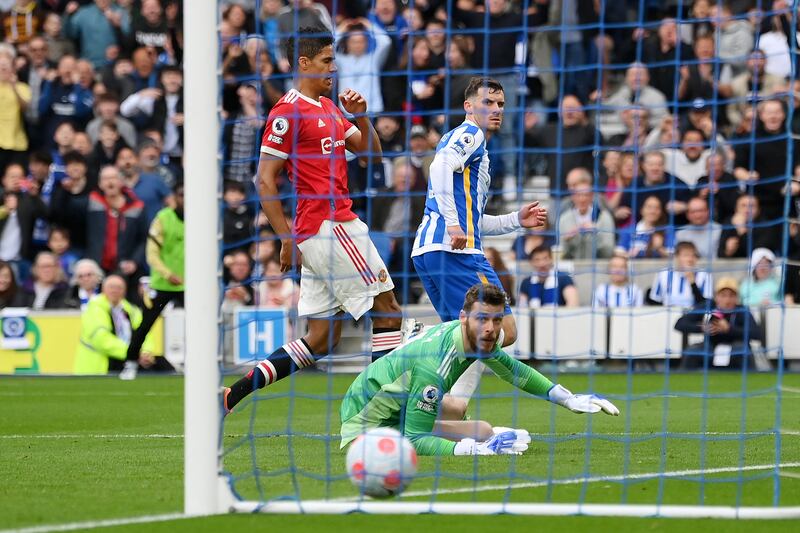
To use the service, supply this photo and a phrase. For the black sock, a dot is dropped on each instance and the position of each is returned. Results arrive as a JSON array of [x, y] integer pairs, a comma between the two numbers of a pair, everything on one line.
[[282, 362], [384, 340]]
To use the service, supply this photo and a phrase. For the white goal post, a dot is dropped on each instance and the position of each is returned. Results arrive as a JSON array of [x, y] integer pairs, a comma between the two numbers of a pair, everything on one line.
[[206, 490]]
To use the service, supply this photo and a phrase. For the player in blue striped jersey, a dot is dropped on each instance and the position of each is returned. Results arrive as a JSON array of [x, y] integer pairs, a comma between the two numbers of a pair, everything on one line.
[[448, 253], [619, 291]]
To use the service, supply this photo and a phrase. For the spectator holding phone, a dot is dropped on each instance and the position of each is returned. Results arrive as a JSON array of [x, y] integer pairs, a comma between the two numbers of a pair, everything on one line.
[[728, 328]]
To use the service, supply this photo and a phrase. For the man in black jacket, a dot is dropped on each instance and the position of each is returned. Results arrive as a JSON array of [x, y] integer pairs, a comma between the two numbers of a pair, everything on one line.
[[728, 328], [18, 213], [567, 149]]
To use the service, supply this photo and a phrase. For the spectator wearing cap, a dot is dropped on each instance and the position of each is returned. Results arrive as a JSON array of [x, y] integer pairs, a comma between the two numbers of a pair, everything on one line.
[[727, 326], [96, 28], [701, 230], [753, 82], [688, 163], [718, 187], [763, 285], [106, 107]]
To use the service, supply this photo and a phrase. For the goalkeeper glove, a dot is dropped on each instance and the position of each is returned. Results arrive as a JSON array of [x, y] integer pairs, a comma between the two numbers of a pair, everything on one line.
[[521, 443], [500, 444], [581, 403]]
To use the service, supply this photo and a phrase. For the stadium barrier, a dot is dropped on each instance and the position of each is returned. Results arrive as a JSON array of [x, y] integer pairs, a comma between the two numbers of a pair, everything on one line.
[[53, 340]]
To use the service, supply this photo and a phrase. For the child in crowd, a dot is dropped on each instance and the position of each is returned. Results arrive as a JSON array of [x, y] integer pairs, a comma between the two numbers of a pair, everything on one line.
[[762, 287], [59, 243]]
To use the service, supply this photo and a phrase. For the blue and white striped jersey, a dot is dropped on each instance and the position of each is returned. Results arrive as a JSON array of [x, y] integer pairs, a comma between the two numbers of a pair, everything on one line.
[[608, 295], [670, 287], [458, 190]]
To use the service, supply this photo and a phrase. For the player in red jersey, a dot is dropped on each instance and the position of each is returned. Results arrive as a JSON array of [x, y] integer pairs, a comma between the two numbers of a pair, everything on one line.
[[341, 270]]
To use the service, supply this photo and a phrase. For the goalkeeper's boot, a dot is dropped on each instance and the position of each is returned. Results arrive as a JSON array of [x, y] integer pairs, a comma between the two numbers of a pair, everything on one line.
[[225, 410], [129, 371], [411, 328]]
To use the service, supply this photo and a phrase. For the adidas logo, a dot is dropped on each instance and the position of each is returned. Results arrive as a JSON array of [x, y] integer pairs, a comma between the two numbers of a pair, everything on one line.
[[320, 123]]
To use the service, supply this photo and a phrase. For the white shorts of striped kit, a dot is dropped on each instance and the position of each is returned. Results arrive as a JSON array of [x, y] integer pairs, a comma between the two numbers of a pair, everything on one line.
[[341, 271]]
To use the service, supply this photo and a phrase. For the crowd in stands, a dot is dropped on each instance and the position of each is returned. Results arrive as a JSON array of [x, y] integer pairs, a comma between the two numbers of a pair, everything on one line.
[[668, 134]]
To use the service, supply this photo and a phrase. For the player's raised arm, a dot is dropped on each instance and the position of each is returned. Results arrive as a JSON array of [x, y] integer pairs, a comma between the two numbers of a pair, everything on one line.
[[364, 141], [268, 170]]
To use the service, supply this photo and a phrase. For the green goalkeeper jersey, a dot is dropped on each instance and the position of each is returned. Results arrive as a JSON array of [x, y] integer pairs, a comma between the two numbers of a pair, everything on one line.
[[404, 389]]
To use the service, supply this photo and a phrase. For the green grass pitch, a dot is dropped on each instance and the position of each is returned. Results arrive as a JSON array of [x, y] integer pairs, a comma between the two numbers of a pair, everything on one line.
[[84, 449]]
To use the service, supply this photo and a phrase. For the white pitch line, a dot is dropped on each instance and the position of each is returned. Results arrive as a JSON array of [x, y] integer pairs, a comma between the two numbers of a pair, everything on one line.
[[578, 481], [411, 494], [657, 434], [73, 526], [84, 393]]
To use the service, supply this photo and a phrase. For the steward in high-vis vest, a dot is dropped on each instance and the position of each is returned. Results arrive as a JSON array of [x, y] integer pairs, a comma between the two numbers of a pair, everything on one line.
[[165, 258], [107, 324]]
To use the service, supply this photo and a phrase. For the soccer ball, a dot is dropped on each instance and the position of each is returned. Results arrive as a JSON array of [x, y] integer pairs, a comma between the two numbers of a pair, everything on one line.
[[381, 462]]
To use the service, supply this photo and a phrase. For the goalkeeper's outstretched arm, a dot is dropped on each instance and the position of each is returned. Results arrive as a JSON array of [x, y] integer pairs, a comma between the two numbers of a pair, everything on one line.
[[528, 379]]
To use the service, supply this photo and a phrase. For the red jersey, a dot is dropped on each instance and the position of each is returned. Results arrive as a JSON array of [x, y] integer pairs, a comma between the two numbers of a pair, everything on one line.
[[310, 136]]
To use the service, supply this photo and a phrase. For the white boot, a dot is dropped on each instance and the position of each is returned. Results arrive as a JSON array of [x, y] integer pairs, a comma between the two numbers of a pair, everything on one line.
[[129, 371]]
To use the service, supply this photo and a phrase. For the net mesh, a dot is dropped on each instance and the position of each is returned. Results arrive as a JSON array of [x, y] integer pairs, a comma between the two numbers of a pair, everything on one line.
[[641, 126]]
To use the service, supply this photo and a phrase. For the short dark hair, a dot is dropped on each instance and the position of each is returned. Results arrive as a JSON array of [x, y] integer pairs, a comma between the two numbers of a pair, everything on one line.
[[309, 42], [235, 186], [74, 157], [170, 69], [477, 82], [686, 246], [541, 249], [485, 293], [40, 156]]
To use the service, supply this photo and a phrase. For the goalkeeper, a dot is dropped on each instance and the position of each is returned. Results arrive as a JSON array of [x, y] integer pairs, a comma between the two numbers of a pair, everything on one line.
[[405, 389]]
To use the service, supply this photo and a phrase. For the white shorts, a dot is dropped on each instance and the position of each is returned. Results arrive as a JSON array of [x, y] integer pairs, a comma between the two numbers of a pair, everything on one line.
[[341, 271]]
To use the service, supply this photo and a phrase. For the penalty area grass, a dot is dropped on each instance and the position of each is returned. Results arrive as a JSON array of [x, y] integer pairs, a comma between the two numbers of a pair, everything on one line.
[[88, 449]]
